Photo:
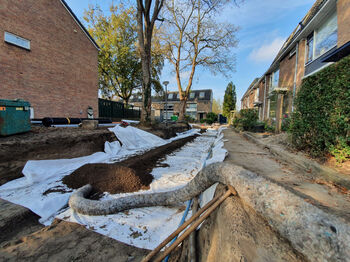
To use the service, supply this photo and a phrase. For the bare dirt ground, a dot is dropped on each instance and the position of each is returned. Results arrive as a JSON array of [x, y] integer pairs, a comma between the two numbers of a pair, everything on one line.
[[282, 141], [48, 143], [314, 190], [129, 175], [64, 241]]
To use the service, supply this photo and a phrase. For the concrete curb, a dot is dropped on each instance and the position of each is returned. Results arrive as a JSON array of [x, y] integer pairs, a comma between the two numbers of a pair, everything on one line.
[[301, 162]]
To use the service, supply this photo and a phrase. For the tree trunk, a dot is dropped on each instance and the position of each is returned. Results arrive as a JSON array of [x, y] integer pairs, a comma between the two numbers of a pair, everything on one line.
[[182, 109]]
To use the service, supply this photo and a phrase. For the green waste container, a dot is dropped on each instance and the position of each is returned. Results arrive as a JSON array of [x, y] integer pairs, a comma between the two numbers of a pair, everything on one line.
[[174, 118], [14, 117]]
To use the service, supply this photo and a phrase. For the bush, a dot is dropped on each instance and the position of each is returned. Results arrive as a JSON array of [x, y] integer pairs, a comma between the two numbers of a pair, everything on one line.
[[246, 119], [189, 119], [321, 122], [285, 123], [211, 118]]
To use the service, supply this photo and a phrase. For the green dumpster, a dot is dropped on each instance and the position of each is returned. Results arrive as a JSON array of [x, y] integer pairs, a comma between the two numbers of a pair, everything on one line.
[[14, 117], [174, 118]]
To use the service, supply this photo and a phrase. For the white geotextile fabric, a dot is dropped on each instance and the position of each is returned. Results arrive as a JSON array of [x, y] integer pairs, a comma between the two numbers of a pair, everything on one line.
[[143, 227], [133, 138]]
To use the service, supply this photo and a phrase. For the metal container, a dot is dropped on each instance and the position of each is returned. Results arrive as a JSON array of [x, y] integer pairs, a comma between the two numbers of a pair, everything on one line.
[[14, 117]]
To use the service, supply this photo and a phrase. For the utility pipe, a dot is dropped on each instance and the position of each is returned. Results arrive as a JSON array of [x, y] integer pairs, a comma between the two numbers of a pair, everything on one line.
[[180, 229], [196, 224], [192, 239], [181, 222], [295, 73]]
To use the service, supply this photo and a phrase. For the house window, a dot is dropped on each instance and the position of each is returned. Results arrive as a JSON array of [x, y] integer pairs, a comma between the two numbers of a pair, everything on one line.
[[191, 107], [201, 95], [257, 95], [275, 79], [322, 39], [326, 36], [17, 40], [272, 106], [309, 48], [192, 95], [178, 96], [170, 96]]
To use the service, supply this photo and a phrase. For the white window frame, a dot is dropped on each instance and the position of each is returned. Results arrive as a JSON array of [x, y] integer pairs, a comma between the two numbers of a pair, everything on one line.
[[201, 94], [16, 40], [192, 95], [314, 36], [170, 96]]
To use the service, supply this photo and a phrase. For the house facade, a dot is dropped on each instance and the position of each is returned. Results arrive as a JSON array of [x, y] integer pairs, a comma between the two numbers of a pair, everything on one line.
[[321, 38], [47, 58], [199, 104]]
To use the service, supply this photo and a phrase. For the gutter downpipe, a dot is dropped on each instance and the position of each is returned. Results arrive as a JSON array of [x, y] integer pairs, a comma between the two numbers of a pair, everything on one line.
[[264, 102], [295, 73]]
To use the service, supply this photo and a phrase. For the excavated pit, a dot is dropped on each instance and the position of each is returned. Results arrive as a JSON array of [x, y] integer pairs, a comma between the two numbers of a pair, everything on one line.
[[130, 175]]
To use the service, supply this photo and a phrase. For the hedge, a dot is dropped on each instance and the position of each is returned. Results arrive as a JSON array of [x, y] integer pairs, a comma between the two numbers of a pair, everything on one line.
[[321, 121], [246, 119]]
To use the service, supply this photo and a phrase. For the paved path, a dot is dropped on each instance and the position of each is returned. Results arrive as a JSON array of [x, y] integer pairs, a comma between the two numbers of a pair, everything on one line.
[[248, 155]]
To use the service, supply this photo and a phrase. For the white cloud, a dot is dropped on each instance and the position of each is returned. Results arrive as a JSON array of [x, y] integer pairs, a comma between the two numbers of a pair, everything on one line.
[[267, 52]]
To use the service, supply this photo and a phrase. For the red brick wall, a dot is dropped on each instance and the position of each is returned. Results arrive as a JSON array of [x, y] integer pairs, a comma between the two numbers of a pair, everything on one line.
[[343, 13], [287, 69], [301, 62], [58, 76]]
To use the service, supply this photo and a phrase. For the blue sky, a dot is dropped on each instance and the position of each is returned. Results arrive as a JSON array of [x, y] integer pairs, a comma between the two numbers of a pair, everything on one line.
[[264, 26]]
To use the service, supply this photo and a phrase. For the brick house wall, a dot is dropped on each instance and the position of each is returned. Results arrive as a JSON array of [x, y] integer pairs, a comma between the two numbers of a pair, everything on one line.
[[59, 75], [343, 13], [301, 63]]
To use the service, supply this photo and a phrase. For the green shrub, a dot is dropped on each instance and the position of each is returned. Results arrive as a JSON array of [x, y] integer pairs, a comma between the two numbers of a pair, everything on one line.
[[211, 118], [285, 123], [321, 121], [189, 118], [246, 119], [268, 127]]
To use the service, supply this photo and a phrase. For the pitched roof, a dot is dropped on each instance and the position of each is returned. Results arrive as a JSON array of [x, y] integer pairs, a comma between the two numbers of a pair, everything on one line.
[[207, 96], [79, 23], [306, 19]]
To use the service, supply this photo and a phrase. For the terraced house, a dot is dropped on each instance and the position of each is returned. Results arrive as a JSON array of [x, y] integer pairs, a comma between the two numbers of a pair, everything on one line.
[[199, 104], [320, 39]]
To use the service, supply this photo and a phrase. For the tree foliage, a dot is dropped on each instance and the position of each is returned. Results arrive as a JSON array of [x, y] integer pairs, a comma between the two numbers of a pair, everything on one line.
[[120, 71], [217, 106], [230, 99], [321, 121], [193, 37]]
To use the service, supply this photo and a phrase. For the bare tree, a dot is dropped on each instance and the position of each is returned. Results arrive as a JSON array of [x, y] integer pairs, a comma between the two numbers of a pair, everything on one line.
[[146, 19], [194, 37]]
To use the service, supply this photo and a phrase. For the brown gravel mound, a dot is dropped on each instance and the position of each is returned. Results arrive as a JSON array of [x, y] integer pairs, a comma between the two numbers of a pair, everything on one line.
[[129, 175]]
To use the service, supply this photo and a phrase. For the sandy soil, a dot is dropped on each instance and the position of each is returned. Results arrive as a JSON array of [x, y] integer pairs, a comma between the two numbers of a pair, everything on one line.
[[165, 131]]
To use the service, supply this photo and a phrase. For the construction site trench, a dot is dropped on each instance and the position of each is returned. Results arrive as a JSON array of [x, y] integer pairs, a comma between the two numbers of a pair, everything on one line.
[[238, 230]]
